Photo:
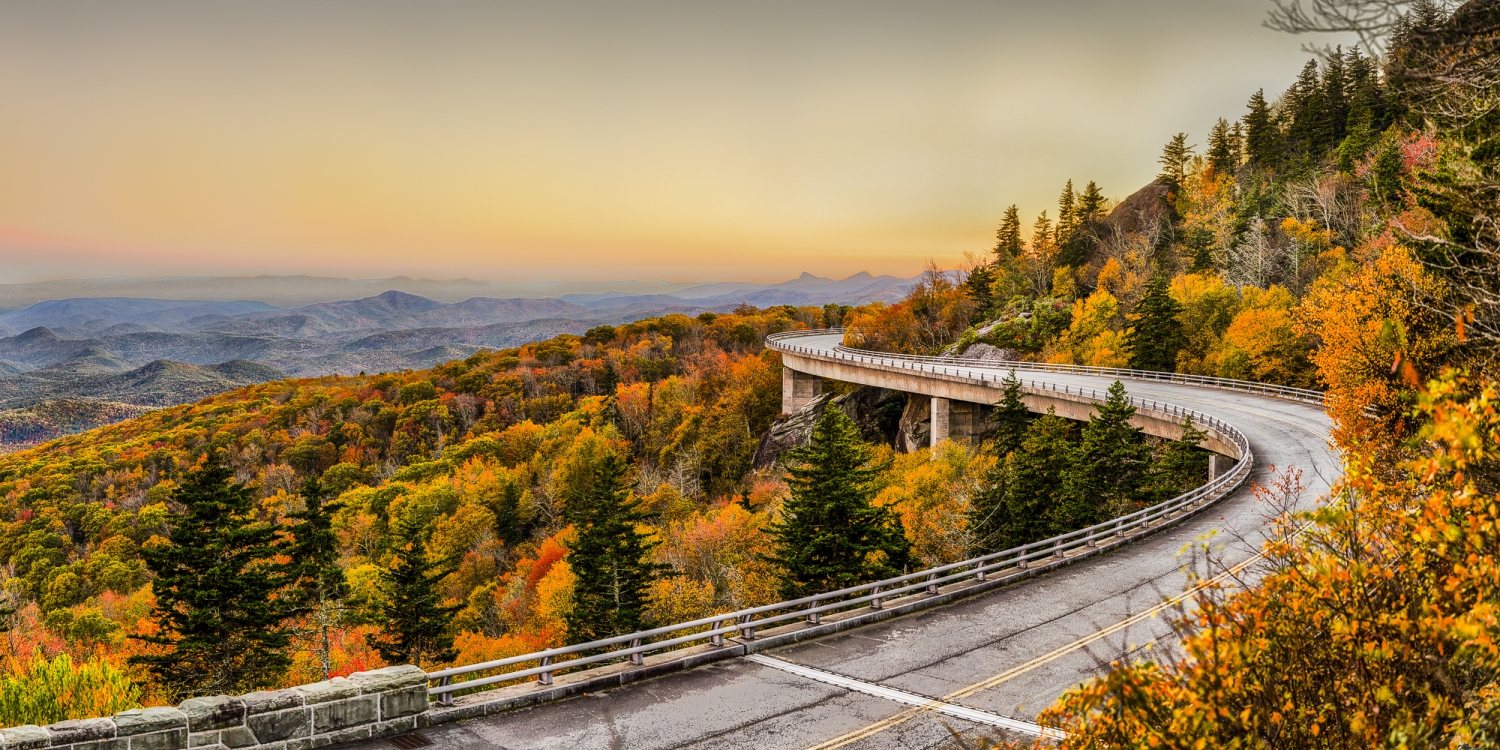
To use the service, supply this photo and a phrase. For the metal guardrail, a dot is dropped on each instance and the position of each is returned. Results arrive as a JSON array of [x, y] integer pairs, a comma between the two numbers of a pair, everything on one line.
[[744, 623], [1302, 395]]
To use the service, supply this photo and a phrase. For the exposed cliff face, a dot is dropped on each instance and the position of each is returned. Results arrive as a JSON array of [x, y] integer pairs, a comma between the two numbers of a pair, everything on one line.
[[875, 410]]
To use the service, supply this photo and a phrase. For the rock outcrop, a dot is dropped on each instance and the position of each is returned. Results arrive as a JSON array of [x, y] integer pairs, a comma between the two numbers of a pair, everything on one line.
[[874, 410]]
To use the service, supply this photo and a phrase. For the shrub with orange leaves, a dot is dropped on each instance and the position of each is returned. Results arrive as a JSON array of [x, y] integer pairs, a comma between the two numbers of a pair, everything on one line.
[[1377, 624], [1360, 317]]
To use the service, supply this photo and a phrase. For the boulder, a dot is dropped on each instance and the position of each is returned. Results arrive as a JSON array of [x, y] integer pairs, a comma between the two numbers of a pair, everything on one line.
[[988, 353]]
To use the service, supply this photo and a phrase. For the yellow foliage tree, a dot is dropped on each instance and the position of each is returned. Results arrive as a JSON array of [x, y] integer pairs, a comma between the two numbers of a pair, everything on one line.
[[1095, 336]]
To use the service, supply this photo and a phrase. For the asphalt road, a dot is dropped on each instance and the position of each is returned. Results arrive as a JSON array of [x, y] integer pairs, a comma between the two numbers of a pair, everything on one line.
[[1015, 639]]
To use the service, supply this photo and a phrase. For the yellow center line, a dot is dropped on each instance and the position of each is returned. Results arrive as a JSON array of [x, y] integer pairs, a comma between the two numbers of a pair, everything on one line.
[[1012, 673]]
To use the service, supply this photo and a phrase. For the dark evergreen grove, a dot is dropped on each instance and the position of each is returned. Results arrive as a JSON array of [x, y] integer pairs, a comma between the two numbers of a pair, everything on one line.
[[609, 556], [414, 621], [1053, 476], [1156, 337], [831, 536], [219, 627]]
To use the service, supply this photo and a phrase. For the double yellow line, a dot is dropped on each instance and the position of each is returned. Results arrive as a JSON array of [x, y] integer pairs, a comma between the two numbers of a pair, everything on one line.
[[1012, 673]]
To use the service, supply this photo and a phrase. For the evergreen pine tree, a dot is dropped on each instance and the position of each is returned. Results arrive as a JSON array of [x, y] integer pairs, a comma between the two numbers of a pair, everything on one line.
[[1221, 150], [1090, 205], [1041, 232], [988, 516], [511, 527], [979, 288], [1032, 486], [413, 618], [1010, 418], [1174, 159], [609, 555], [1180, 464], [830, 536], [1067, 214], [1305, 111], [1008, 239], [1110, 472], [318, 587], [1156, 337], [215, 578], [1262, 136]]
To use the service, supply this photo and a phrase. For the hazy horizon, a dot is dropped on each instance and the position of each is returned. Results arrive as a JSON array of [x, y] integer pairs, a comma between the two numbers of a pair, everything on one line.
[[587, 140]]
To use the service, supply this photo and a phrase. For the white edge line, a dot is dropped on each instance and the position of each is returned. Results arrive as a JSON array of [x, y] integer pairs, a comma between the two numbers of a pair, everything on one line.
[[911, 699]]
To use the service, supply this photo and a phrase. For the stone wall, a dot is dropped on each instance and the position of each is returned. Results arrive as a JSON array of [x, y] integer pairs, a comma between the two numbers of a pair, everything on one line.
[[379, 703]]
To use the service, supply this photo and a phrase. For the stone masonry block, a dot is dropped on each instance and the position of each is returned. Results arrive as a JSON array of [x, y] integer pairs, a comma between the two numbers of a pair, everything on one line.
[[122, 743], [75, 731], [328, 717], [412, 700], [27, 737], [148, 720], [282, 725], [390, 728], [335, 689], [172, 739], [389, 678], [203, 739], [215, 712], [271, 700], [236, 737], [346, 735]]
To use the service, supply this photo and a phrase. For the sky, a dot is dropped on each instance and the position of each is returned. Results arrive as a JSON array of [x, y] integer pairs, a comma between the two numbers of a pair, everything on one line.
[[572, 140]]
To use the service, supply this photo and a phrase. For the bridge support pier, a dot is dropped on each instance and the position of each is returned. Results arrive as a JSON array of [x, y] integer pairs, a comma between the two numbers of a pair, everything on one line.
[[940, 421], [1217, 465], [798, 388]]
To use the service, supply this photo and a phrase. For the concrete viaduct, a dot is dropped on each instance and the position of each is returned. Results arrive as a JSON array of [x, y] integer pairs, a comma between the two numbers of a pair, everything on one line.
[[970, 661]]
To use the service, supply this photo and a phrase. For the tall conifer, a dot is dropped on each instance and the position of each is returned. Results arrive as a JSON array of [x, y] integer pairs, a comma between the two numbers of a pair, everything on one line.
[[318, 587], [1156, 336], [1090, 205], [609, 555], [1008, 239], [830, 535], [1067, 214], [1032, 487], [1110, 472], [1221, 148], [414, 620], [988, 514], [215, 577], [1174, 159], [1180, 464], [1262, 136]]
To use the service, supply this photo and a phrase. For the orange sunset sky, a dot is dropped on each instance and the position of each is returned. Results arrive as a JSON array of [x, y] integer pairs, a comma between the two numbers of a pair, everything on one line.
[[586, 140]]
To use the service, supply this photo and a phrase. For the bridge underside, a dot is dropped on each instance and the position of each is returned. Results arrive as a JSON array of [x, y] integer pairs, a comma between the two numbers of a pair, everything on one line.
[[954, 396]]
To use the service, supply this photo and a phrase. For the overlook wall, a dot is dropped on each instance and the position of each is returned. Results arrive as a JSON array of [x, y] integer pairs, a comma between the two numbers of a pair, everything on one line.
[[379, 703]]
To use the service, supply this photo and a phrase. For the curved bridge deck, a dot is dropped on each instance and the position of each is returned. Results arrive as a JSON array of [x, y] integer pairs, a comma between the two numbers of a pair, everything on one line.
[[1007, 653]]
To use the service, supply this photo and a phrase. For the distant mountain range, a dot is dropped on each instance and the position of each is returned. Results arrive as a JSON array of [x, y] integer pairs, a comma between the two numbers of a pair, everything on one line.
[[111, 355], [299, 291]]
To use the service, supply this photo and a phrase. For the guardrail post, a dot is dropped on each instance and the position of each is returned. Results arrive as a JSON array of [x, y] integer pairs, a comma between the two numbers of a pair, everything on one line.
[[979, 572], [445, 699], [932, 588], [637, 658], [876, 602], [545, 678], [1057, 550], [813, 616], [717, 639], [747, 631], [1021, 560]]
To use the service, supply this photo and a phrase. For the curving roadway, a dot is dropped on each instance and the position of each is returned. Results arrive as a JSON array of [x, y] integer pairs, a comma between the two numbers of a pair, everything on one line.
[[1008, 653]]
